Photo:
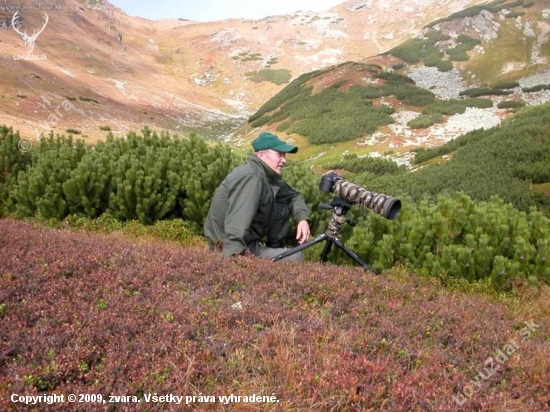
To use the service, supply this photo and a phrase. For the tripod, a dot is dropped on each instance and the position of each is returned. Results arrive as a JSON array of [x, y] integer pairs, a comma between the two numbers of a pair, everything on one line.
[[339, 209]]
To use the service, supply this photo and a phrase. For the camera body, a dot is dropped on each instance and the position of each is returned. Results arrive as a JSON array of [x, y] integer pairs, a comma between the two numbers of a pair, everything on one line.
[[327, 181]]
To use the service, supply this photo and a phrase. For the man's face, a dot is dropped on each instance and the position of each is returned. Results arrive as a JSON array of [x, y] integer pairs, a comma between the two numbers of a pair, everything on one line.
[[275, 160]]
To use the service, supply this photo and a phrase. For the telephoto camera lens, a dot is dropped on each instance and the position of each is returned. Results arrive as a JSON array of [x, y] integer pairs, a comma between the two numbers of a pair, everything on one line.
[[386, 206]]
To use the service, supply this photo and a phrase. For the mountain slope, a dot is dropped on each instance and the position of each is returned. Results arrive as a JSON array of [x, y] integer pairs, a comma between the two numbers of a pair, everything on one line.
[[459, 74], [180, 75], [511, 161]]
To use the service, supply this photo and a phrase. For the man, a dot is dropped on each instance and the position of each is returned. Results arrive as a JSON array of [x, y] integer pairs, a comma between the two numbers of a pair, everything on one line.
[[253, 203]]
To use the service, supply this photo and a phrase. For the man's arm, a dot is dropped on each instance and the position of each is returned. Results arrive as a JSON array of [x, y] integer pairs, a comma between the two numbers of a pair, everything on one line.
[[300, 211], [244, 199]]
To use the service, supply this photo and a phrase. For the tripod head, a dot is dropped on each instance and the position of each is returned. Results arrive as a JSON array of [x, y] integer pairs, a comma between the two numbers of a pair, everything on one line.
[[339, 208]]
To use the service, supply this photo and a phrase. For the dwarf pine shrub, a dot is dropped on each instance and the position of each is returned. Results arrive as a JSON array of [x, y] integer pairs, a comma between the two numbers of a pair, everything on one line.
[[454, 236], [141, 177], [13, 160], [39, 191]]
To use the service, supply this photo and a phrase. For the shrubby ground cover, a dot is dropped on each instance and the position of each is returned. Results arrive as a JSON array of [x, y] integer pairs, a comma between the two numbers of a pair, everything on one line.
[[466, 233], [93, 313]]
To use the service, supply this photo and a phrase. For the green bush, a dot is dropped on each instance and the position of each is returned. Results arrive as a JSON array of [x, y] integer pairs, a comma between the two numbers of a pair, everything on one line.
[[195, 192], [514, 14], [455, 106], [423, 154], [332, 115], [484, 91], [39, 191], [414, 51], [200, 169], [465, 43], [510, 104], [291, 92], [87, 189], [436, 36], [274, 76], [537, 88], [411, 51], [425, 121], [433, 57], [445, 107], [506, 85], [144, 185], [176, 230], [503, 161], [336, 114], [13, 161], [457, 237], [378, 166], [467, 40], [457, 54], [283, 126], [475, 10], [444, 66], [479, 103], [88, 99], [145, 178]]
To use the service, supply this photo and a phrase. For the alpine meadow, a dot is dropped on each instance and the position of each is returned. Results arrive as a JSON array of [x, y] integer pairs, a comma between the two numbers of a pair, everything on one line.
[[111, 148]]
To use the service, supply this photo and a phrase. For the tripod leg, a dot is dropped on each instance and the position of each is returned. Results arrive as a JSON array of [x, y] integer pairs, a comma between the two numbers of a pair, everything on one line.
[[324, 254], [301, 247], [356, 258]]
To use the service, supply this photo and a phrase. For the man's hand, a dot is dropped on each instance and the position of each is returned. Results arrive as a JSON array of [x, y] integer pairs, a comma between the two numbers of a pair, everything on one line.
[[302, 231]]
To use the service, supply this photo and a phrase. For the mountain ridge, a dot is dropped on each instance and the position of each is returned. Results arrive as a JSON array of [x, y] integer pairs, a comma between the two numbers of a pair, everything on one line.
[[179, 75], [466, 55]]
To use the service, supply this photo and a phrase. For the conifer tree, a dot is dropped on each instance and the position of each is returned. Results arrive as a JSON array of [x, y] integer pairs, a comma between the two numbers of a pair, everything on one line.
[[12, 161], [39, 191], [203, 168], [143, 185], [87, 190]]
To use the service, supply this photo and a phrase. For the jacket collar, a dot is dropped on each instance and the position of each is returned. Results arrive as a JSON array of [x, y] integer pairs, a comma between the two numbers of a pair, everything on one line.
[[271, 175]]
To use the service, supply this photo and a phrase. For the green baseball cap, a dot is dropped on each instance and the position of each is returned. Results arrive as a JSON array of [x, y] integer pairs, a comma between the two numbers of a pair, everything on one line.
[[268, 140]]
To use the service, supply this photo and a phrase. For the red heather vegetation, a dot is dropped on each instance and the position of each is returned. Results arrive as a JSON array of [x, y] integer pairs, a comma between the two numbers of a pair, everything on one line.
[[88, 313]]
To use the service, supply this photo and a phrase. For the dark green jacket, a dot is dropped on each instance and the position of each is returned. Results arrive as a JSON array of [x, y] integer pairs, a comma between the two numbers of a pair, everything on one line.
[[240, 210]]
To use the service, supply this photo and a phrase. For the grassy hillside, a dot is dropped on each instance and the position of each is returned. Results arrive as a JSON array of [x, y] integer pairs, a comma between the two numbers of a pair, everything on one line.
[[335, 110], [513, 45], [479, 57], [341, 110], [506, 161], [104, 314]]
